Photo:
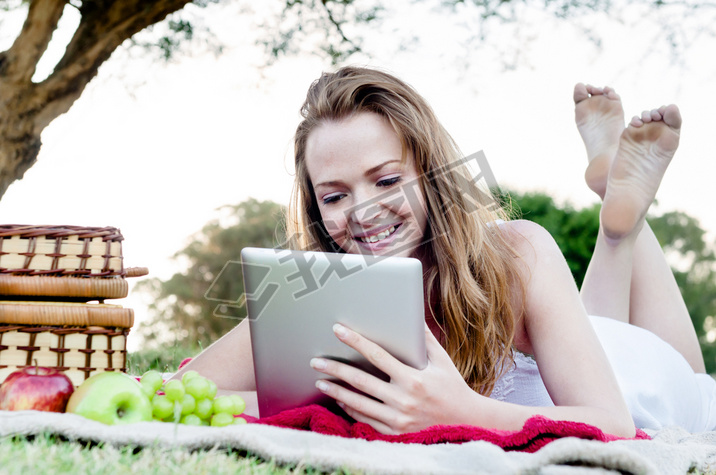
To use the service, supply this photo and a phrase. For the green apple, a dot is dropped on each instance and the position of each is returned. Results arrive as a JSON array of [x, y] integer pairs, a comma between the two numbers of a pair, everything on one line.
[[112, 398]]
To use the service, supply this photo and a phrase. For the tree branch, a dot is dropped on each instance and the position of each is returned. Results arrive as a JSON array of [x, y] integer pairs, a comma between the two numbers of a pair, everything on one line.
[[339, 28], [20, 60], [100, 32]]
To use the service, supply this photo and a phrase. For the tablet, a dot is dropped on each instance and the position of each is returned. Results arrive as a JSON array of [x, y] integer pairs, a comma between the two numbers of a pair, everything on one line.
[[293, 299]]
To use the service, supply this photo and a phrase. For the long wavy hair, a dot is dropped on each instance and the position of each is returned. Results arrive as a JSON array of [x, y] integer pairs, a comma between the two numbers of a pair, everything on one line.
[[470, 270]]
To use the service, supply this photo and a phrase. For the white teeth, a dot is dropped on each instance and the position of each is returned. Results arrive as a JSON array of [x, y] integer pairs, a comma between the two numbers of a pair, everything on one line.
[[379, 236]]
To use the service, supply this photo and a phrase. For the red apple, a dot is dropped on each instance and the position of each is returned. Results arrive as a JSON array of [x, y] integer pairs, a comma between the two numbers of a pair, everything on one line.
[[37, 388]]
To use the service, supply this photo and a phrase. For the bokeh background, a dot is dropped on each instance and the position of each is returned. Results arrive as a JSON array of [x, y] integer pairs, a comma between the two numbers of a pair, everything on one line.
[[157, 146]]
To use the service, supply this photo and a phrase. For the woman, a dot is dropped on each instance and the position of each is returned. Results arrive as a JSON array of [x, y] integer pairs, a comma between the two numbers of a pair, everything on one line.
[[495, 290]]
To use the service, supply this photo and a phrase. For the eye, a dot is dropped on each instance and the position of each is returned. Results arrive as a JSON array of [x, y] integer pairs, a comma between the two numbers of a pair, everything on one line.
[[388, 181], [333, 198]]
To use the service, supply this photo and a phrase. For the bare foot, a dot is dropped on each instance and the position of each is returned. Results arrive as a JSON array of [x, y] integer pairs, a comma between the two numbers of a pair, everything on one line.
[[600, 120], [645, 150]]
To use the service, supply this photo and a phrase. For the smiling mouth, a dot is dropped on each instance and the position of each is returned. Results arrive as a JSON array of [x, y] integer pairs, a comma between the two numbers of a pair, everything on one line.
[[380, 236]]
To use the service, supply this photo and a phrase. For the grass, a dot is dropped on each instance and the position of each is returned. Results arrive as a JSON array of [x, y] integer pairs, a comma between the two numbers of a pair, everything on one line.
[[166, 360], [48, 455]]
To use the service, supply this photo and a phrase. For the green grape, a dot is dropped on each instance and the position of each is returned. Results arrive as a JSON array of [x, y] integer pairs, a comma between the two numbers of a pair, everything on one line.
[[148, 390], [204, 408], [189, 375], [212, 389], [239, 404], [221, 420], [197, 386], [188, 404], [174, 390], [224, 404], [169, 419], [162, 407], [152, 379], [192, 401], [191, 420]]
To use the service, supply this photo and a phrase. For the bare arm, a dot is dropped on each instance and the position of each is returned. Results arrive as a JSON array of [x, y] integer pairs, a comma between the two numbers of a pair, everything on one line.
[[572, 363], [229, 363], [555, 327]]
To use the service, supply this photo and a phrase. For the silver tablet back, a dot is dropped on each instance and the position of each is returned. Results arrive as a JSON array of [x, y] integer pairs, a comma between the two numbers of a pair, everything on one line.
[[293, 298]]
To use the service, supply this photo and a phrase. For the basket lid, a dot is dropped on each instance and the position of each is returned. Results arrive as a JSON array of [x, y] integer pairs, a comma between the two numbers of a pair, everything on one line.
[[65, 314]]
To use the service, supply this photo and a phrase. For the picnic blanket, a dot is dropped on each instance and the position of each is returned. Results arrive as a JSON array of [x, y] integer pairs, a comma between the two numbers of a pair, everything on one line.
[[536, 432], [555, 448]]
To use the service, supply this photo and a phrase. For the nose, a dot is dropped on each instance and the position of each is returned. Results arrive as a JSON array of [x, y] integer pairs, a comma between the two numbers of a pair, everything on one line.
[[367, 207], [365, 213]]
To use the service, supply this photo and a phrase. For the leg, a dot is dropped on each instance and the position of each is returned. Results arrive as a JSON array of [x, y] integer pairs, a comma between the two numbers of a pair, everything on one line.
[[628, 263], [600, 120], [663, 299]]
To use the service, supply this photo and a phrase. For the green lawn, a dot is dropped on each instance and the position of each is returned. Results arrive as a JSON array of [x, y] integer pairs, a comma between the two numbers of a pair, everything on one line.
[[50, 455]]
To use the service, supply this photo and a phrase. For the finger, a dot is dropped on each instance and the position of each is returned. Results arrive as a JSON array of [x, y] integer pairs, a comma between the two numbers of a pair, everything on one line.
[[354, 403], [351, 375], [435, 350], [374, 353], [360, 417]]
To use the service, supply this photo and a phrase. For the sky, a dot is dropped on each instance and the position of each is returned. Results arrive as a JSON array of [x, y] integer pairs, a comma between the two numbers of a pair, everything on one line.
[[156, 148]]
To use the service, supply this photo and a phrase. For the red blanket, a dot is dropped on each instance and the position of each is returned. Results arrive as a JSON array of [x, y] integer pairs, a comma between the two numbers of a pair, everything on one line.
[[536, 433]]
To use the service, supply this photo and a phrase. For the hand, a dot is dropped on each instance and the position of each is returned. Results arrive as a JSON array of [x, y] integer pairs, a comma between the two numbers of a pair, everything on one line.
[[412, 400]]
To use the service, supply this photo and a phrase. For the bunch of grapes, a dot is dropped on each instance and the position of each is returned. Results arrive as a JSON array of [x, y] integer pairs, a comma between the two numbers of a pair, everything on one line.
[[191, 401]]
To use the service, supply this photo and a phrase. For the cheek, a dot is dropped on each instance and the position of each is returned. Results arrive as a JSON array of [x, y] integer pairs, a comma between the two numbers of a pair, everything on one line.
[[415, 207], [334, 222]]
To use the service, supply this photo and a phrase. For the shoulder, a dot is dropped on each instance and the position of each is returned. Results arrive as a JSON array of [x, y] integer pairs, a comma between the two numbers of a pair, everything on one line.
[[536, 256], [529, 239], [522, 227]]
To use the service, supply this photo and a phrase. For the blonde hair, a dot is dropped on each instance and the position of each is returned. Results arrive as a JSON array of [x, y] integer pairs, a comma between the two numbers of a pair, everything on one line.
[[471, 270]]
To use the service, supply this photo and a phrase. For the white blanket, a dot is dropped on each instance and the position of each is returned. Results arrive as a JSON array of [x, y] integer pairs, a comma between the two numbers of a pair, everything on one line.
[[672, 450]]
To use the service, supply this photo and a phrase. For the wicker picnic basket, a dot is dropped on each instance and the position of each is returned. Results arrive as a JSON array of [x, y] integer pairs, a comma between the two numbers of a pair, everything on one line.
[[53, 284]]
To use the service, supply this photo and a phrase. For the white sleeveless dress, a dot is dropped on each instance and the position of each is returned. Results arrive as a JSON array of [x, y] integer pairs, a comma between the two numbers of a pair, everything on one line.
[[658, 384]]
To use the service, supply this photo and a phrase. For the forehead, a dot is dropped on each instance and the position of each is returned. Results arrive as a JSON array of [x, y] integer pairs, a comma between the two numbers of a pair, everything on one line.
[[362, 140]]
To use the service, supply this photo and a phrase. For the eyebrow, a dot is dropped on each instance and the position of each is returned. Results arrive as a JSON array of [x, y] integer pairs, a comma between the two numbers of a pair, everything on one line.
[[368, 172]]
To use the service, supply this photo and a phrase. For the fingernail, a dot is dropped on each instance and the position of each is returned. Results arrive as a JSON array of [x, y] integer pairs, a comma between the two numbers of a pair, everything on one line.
[[340, 330], [322, 385], [318, 363]]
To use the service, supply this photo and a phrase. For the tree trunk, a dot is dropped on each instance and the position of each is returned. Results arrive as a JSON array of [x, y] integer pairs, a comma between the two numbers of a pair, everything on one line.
[[26, 108]]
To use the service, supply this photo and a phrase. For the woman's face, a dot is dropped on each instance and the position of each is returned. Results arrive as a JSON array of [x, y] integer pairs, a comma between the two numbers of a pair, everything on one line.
[[370, 200]]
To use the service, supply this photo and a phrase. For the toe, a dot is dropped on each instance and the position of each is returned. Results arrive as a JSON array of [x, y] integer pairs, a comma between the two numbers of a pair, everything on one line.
[[580, 93], [611, 93], [672, 116], [594, 89], [636, 121]]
